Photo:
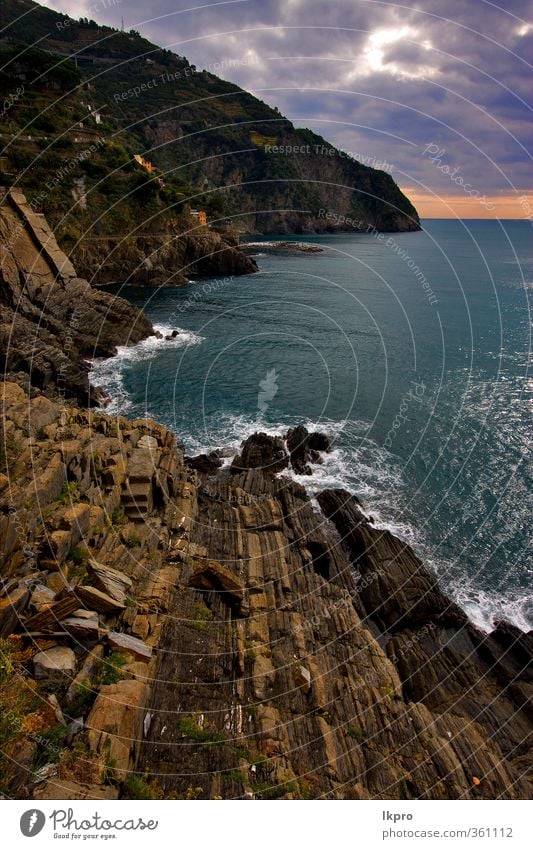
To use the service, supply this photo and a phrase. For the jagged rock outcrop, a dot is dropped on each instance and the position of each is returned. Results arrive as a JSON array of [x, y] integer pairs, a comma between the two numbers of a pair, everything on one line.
[[52, 320], [305, 448], [273, 454], [262, 451], [168, 260], [258, 651]]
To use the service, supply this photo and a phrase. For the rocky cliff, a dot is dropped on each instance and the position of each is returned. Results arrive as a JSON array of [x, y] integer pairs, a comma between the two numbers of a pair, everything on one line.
[[167, 260], [53, 322], [174, 629], [99, 97]]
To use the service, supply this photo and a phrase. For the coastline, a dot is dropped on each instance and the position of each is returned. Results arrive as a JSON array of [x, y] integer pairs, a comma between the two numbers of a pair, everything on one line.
[[295, 654], [232, 593]]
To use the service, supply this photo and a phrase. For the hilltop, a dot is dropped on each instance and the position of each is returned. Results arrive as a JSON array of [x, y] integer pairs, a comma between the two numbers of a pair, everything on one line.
[[82, 104]]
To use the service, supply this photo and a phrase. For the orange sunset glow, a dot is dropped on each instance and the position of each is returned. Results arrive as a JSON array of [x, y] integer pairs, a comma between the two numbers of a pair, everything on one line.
[[511, 206]]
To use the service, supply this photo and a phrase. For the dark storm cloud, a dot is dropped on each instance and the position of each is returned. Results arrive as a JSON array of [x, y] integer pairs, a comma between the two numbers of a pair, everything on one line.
[[376, 78]]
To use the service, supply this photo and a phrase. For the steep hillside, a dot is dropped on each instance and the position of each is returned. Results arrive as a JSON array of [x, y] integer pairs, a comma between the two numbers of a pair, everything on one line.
[[52, 321], [82, 104]]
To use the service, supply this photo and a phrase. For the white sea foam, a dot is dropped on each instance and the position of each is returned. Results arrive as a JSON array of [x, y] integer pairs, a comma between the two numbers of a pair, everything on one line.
[[108, 374]]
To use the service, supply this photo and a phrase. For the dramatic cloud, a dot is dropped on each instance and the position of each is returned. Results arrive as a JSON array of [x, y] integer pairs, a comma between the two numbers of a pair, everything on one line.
[[438, 91]]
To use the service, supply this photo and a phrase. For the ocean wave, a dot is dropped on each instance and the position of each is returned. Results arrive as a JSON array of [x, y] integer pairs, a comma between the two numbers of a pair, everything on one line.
[[108, 374]]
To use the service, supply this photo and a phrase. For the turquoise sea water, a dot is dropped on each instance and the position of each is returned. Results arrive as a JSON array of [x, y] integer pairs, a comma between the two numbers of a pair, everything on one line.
[[426, 396]]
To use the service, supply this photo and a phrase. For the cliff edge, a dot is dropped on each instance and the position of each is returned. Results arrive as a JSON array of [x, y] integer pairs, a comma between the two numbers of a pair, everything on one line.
[[53, 322], [175, 630]]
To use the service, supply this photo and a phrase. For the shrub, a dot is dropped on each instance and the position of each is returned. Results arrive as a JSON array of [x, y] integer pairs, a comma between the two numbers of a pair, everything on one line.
[[111, 669], [190, 728], [69, 492], [117, 516], [356, 733], [50, 744], [202, 616], [84, 695], [79, 555], [132, 541], [136, 787]]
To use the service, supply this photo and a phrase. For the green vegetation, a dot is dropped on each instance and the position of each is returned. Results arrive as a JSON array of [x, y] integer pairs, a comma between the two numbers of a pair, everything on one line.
[[271, 790], [240, 752], [111, 669], [48, 150], [118, 517], [84, 696], [236, 775], [69, 493], [79, 555], [356, 733], [249, 650], [9, 450], [50, 745], [201, 617], [189, 727], [136, 787], [132, 541]]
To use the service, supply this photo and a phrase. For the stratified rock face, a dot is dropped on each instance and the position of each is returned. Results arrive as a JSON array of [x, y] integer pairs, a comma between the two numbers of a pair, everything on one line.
[[53, 321], [244, 647]]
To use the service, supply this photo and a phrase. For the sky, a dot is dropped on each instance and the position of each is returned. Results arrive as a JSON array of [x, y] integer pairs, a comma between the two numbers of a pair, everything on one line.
[[437, 93]]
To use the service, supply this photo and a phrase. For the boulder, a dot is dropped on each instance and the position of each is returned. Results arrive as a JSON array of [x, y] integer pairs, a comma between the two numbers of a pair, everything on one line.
[[206, 464], [262, 451], [319, 442], [60, 543], [132, 645], [115, 723], [305, 448], [10, 609], [55, 665], [82, 628], [41, 597], [49, 618], [94, 599], [76, 520], [297, 443], [110, 581]]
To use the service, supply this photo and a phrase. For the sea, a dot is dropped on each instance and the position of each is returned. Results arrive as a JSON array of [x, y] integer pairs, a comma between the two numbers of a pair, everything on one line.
[[410, 350]]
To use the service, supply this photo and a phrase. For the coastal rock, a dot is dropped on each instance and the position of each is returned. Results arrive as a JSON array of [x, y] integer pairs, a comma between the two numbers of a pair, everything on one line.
[[110, 581], [129, 644], [328, 660], [305, 448], [95, 599], [206, 464], [115, 724], [218, 577], [173, 258], [10, 609], [53, 322], [261, 451], [59, 788], [55, 665]]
